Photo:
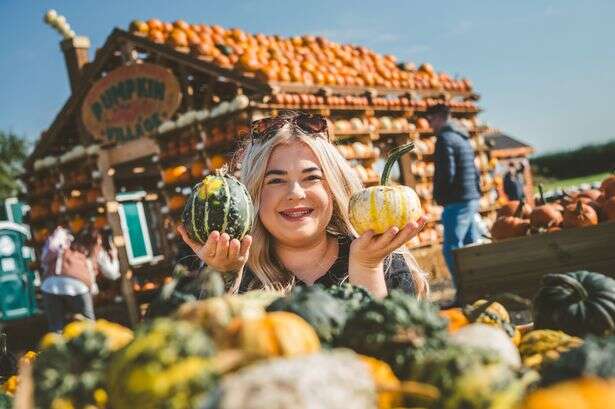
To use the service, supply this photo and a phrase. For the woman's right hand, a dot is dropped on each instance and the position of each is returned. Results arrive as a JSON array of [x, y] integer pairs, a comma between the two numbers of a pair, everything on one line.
[[220, 252]]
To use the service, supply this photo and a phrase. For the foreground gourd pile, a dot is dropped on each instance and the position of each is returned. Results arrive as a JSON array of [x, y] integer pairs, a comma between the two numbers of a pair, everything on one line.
[[338, 348]]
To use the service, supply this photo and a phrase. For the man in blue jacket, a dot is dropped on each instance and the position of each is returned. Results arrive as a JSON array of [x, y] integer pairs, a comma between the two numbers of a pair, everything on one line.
[[456, 183]]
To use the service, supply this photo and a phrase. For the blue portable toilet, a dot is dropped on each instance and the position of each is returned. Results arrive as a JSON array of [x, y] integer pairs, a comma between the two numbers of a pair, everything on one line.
[[17, 298]]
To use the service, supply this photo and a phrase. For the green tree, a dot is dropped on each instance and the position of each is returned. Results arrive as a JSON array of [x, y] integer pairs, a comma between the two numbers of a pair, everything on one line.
[[13, 151]]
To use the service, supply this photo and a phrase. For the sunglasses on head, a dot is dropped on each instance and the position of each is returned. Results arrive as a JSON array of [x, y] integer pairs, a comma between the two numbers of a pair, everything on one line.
[[312, 124]]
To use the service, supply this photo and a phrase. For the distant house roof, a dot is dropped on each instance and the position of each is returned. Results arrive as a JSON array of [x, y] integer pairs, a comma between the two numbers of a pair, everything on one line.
[[505, 146]]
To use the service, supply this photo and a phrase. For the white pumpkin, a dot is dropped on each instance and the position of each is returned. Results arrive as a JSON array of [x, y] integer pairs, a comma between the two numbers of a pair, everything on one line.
[[488, 337]]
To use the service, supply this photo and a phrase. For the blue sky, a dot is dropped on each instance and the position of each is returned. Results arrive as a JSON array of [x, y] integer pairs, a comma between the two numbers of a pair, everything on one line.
[[545, 69]]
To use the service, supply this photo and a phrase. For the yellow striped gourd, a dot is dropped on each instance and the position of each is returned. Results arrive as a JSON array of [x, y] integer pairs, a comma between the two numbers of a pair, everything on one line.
[[379, 208]]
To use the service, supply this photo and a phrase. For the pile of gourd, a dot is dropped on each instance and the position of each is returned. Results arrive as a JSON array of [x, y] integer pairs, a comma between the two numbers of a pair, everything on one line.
[[339, 348], [572, 209]]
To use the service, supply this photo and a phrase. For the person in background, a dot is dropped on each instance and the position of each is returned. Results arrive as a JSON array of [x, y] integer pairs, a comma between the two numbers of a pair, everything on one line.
[[70, 274], [456, 183], [513, 182]]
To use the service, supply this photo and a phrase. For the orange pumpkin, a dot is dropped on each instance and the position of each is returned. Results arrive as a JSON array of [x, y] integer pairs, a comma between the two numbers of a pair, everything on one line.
[[177, 202], [174, 175], [74, 202], [216, 161], [456, 318], [422, 124], [76, 224], [197, 169], [100, 222]]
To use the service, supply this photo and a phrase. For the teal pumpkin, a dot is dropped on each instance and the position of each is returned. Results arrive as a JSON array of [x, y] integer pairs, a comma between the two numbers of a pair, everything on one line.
[[220, 202]]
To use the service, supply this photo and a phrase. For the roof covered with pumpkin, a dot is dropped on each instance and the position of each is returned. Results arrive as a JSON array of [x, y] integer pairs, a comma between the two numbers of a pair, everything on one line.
[[308, 59]]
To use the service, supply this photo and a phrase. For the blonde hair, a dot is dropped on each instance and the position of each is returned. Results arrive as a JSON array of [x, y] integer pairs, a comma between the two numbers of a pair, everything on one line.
[[342, 181]]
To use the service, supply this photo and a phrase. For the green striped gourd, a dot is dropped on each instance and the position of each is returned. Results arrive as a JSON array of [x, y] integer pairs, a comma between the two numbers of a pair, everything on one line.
[[220, 202], [379, 208]]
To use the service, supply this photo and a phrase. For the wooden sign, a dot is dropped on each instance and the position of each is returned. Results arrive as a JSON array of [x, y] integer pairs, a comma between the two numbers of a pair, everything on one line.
[[130, 102]]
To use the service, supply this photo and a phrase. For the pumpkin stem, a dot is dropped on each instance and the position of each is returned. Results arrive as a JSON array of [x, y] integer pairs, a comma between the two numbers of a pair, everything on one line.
[[223, 170], [394, 155], [542, 195], [563, 279], [3, 347], [579, 208], [519, 210]]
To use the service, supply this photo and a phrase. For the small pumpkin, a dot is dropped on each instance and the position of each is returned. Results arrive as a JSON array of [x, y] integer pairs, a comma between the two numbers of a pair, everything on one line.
[[608, 186], [456, 318], [197, 169], [71, 367], [326, 314], [506, 227], [491, 337], [545, 345], [168, 364], [217, 161], [379, 208], [76, 224], [396, 329], [274, 334], [586, 393], [596, 357], [546, 215], [510, 209], [177, 201], [220, 202], [608, 209], [579, 215], [578, 303], [215, 314]]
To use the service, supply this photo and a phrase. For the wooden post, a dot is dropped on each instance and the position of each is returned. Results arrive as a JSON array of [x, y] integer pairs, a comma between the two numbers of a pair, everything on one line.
[[108, 191]]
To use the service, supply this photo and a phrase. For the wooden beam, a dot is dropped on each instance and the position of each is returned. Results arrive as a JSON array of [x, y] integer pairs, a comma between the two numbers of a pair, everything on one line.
[[512, 153], [108, 190], [133, 150]]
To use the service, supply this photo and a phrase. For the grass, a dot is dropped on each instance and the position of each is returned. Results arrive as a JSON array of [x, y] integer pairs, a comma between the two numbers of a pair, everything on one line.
[[551, 184]]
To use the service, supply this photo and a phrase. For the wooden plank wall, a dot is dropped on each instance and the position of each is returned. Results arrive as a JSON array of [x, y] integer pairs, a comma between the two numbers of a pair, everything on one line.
[[517, 265]]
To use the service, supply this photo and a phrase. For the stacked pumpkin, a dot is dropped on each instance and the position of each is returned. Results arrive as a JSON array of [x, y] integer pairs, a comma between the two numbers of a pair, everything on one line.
[[312, 101], [577, 209], [306, 59]]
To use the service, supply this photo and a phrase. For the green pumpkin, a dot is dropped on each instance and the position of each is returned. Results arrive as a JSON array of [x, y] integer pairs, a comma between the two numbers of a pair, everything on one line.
[[167, 366], [595, 358], [220, 202], [354, 297], [71, 366], [6, 401], [578, 303], [469, 378], [397, 329], [326, 314]]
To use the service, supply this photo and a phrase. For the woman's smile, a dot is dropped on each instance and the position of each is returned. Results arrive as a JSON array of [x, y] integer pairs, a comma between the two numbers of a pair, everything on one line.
[[296, 214]]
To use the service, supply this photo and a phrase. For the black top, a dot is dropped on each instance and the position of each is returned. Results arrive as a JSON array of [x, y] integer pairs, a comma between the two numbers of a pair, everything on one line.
[[396, 270]]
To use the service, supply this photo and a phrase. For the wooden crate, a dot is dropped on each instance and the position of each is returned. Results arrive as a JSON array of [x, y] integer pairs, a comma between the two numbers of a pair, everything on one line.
[[517, 265]]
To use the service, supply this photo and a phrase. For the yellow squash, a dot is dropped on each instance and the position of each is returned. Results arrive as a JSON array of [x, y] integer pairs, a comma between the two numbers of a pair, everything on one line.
[[379, 208]]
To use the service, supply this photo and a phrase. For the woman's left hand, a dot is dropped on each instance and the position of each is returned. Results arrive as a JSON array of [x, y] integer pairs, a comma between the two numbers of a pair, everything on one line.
[[369, 249]]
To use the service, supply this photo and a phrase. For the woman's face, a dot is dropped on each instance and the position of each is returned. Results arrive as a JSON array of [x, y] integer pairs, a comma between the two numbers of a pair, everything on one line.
[[295, 204]]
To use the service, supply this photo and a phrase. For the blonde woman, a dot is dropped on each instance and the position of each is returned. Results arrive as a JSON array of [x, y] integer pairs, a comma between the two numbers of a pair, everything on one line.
[[301, 185]]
